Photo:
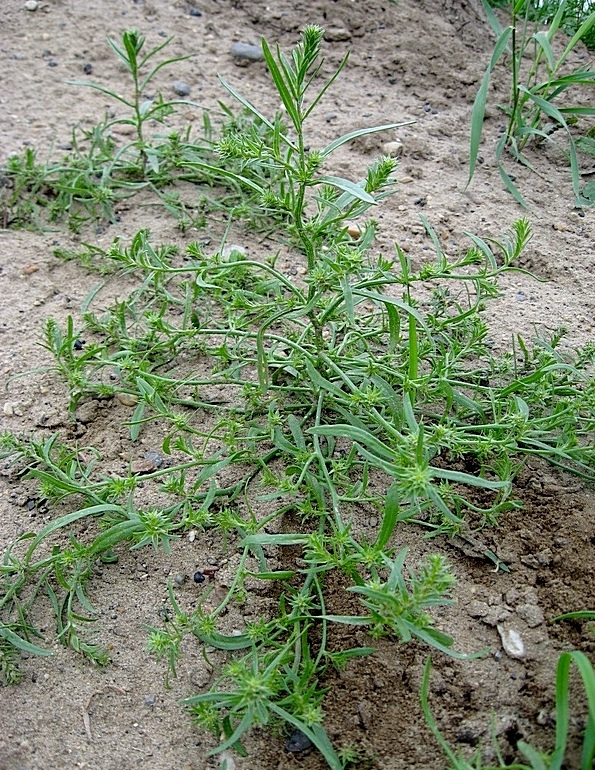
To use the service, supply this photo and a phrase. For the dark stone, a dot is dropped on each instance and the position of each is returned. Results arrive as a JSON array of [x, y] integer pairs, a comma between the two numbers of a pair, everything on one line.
[[298, 742]]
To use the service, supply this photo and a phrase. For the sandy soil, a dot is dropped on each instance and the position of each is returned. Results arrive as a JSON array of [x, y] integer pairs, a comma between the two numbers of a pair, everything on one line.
[[418, 60]]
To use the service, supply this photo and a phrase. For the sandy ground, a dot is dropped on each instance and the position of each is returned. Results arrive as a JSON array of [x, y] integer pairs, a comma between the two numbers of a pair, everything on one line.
[[418, 60]]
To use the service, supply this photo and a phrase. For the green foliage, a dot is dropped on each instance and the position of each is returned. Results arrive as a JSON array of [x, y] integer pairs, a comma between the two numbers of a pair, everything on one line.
[[537, 111], [367, 386]]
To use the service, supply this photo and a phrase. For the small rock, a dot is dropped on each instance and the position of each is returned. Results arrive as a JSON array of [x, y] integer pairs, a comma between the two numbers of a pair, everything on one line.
[[392, 149], [180, 88], [88, 68], [244, 53], [155, 458], [142, 467], [179, 579], [512, 642], [531, 614], [31, 5], [195, 12], [233, 248], [337, 34], [478, 609], [228, 762], [150, 700], [298, 742], [520, 296], [8, 409], [127, 399], [30, 269], [353, 231], [51, 420], [199, 677], [87, 412], [496, 615]]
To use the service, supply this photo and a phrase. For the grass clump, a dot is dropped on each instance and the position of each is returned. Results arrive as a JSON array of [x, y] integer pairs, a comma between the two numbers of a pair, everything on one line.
[[537, 759], [538, 110]]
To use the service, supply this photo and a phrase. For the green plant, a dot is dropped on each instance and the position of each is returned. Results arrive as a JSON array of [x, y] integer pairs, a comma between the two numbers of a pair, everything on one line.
[[97, 174], [142, 72], [553, 760], [536, 111], [367, 387]]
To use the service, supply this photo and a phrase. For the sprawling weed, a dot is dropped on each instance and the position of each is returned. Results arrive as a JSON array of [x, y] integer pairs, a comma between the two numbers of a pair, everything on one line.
[[368, 386]]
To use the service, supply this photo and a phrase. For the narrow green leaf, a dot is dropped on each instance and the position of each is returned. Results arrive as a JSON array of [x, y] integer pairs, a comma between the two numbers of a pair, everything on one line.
[[70, 518], [315, 733], [543, 41], [222, 642], [281, 539], [336, 143], [103, 90], [136, 421], [355, 434], [250, 107], [577, 37], [466, 478], [288, 99], [353, 189], [479, 105], [392, 507], [511, 187], [279, 575], [22, 644]]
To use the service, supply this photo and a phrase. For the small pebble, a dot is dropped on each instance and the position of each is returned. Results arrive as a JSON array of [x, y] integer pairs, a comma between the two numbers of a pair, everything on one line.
[[199, 577], [150, 700], [155, 458], [179, 579], [244, 53], [531, 614], [78, 344], [181, 88], [87, 412], [520, 296], [392, 149], [337, 34], [298, 742], [512, 642], [478, 609], [127, 399], [233, 248], [142, 467], [353, 231], [195, 12], [88, 68], [31, 5], [30, 269]]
